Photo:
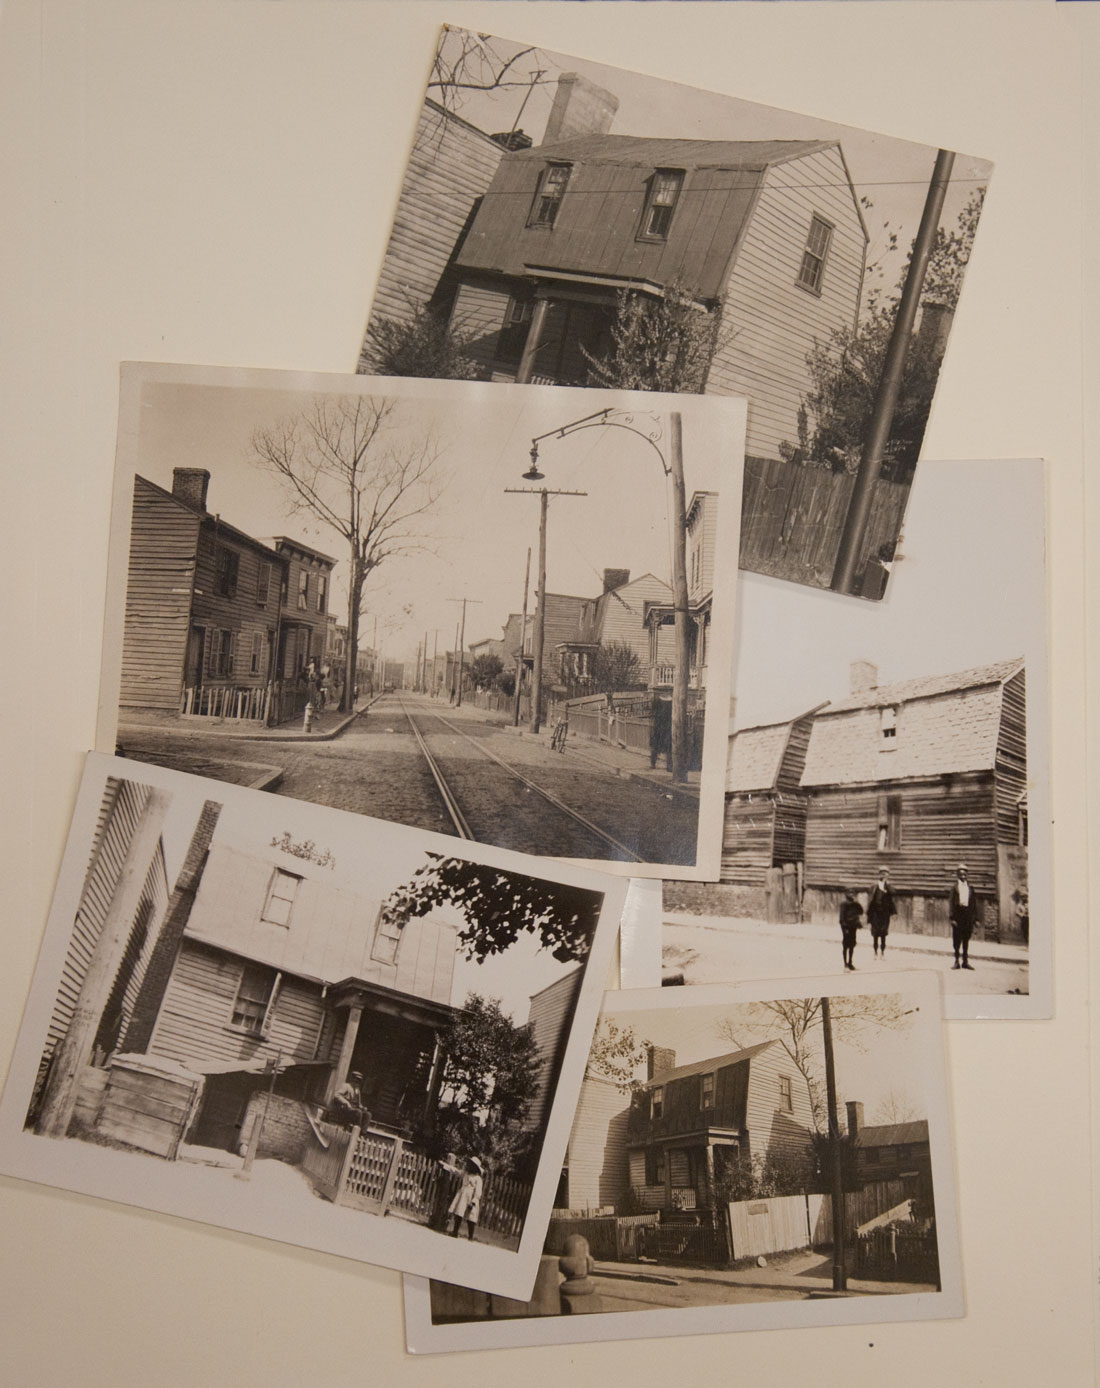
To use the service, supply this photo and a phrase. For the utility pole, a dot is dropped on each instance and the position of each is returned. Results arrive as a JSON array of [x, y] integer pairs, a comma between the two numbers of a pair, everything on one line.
[[889, 388], [522, 640], [840, 1273], [461, 645], [680, 609], [435, 658], [540, 610]]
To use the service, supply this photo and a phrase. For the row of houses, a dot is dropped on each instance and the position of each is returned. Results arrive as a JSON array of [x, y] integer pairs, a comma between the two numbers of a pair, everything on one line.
[[914, 777], [219, 623]]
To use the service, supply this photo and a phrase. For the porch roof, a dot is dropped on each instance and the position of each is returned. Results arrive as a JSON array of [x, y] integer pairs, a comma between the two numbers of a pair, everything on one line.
[[377, 997]]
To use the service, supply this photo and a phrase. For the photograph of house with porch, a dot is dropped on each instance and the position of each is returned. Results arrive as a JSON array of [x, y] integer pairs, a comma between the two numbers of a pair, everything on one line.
[[721, 1135], [403, 598], [562, 222], [894, 758], [247, 987]]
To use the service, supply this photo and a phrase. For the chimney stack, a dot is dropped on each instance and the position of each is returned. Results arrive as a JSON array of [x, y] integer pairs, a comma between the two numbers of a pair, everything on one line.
[[658, 1059], [615, 578], [863, 676], [580, 108], [512, 139], [855, 1118], [189, 485]]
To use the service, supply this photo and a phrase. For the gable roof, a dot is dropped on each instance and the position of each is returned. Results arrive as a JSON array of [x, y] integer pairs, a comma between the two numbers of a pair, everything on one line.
[[756, 754], [945, 724], [704, 1067], [893, 1134], [649, 152]]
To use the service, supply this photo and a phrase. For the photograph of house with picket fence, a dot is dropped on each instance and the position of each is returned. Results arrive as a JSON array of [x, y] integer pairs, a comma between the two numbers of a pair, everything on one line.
[[735, 1155], [244, 985], [567, 223]]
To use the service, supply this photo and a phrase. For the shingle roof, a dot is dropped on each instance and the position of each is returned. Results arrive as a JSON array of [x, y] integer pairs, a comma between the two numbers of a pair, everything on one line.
[[754, 757], [893, 1134], [947, 723], [704, 1067], [652, 153]]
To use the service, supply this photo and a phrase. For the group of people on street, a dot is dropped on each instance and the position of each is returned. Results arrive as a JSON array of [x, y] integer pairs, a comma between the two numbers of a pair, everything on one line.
[[881, 908]]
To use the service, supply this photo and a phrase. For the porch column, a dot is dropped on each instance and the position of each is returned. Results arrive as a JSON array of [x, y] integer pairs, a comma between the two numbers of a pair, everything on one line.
[[347, 1049], [534, 340], [708, 1163], [435, 1079]]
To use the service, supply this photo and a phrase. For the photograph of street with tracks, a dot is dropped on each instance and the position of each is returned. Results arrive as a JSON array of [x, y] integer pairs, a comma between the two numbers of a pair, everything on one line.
[[349, 590]]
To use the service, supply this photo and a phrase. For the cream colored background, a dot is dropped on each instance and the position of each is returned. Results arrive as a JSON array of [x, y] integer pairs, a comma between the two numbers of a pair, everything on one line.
[[213, 182]]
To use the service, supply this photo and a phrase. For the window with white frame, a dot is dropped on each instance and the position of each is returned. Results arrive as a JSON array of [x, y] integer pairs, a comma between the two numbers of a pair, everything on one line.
[[281, 891], [255, 999], [256, 656], [303, 589], [220, 646], [322, 591], [819, 238], [657, 1102], [706, 1091], [663, 195], [549, 194], [387, 937], [786, 1094], [888, 728], [263, 583], [227, 565]]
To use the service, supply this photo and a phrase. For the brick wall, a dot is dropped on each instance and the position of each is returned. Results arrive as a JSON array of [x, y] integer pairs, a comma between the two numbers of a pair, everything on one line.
[[286, 1129], [715, 899]]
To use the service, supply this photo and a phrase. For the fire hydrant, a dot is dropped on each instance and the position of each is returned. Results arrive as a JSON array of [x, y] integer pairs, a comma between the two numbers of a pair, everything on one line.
[[307, 720], [578, 1292]]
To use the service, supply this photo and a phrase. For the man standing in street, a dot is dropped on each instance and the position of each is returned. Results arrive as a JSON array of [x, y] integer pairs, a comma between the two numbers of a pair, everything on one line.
[[880, 907], [963, 910]]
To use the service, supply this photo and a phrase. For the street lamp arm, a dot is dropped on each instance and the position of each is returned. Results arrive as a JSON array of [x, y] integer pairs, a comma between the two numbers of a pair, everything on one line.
[[602, 419]]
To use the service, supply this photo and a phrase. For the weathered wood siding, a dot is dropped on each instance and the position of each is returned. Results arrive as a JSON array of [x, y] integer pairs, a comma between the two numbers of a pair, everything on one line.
[[770, 322], [772, 1130], [682, 1111], [1011, 760], [789, 842], [450, 166], [305, 628], [119, 816], [163, 542], [251, 614], [550, 1015], [597, 1162], [331, 930], [943, 821], [747, 838], [793, 761], [597, 225], [195, 1022], [478, 315], [702, 540]]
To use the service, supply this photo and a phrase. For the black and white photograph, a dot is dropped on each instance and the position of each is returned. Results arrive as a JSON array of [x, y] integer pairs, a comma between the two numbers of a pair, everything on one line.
[[720, 1138], [299, 1023], [887, 795], [499, 615], [568, 223]]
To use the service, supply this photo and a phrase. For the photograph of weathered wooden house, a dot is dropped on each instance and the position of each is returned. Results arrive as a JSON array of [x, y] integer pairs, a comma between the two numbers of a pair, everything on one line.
[[721, 1136], [379, 1038], [567, 223], [888, 760], [403, 598]]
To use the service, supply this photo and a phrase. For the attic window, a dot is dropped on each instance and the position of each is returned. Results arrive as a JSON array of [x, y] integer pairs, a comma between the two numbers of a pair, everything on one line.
[[657, 1102], [706, 1091], [818, 239], [786, 1094], [664, 193], [387, 936], [548, 196], [281, 892], [888, 727]]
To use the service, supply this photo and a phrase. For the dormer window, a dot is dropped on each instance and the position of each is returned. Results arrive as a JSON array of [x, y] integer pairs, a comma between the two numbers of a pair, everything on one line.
[[818, 239], [888, 728], [657, 1102], [551, 190], [664, 193]]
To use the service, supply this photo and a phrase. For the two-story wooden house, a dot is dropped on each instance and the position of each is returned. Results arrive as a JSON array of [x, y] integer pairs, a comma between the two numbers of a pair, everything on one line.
[[893, 1152], [701, 524], [768, 231], [690, 1124], [918, 777], [303, 613]]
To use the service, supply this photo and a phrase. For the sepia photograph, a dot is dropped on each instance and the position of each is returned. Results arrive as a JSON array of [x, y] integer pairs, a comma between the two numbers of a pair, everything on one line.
[[567, 223], [721, 1137], [887, 794], [302, 1024], [499, 615]]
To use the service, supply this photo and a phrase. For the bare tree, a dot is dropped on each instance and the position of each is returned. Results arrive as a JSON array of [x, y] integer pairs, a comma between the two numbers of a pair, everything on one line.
[[469, 62], [347, 462], [792, 1022], [895, 1107]]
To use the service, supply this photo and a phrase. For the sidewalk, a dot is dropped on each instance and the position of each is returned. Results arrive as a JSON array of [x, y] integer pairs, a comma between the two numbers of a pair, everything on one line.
[[326, 726], [987, 951]]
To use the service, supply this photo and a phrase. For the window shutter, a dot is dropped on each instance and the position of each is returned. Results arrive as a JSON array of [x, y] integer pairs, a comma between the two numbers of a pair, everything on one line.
[[207, 651], [269, 1010]]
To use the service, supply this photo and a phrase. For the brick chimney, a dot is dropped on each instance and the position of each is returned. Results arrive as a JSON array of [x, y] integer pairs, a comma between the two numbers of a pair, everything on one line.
[[863, 676], [658, 1059], [855, 1118], [580, 108], [189, 485], [615, 578]]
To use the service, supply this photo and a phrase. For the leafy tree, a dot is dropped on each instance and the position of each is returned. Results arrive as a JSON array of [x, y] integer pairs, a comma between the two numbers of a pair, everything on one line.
[[490, 1081], [765, 1175], [616, 1055], [615, 665], [348, 463], [793, 1022], [845, 370], [485, 670], [425, 344], [497, 906], [657, 344]]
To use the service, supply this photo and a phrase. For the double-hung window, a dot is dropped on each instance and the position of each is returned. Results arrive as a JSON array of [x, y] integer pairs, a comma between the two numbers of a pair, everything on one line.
[[549, 195], [281, 892], [303, 590], [818, 240], [227, 568], [255, 996], [664, 193]]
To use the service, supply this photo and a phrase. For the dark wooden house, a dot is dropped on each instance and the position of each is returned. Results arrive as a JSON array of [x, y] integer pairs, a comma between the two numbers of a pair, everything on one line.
[[202, 606], [769, 231], [303, 611], [690, 1124], [893, 1152], [918, 777]]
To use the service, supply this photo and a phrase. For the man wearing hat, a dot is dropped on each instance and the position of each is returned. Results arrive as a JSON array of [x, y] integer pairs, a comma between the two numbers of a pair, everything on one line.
[[347, 1103], [963, 910]]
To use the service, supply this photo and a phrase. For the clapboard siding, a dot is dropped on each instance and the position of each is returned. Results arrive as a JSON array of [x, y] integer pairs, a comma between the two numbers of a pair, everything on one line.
[[621, 619], [163, 542], [252, 613], [597, 1158], [119, 817], [772, 1130], [789, 843], [1011, 758], [747, 838], [478, 316], [701, 541], [549, 1017], [682, 1112], [793, 761], [450, 166], [942, 822], [770, 323]]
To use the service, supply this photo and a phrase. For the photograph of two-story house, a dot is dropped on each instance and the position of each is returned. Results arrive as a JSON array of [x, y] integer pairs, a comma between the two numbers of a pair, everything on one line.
[[577, 224]]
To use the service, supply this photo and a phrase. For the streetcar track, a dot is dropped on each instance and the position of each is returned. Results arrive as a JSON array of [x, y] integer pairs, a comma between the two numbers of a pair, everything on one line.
[[454, 809]]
